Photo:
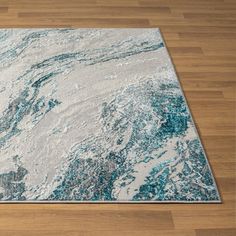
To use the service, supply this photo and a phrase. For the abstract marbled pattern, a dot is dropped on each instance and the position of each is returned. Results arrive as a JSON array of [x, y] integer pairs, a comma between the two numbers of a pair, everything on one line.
[[96, 115]]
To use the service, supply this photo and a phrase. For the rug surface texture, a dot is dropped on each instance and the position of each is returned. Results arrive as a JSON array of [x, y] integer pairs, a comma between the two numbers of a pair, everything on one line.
[[91, 115]]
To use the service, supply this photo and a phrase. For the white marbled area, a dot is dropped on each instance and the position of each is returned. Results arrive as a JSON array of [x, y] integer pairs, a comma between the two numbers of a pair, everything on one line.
[[45, 143]]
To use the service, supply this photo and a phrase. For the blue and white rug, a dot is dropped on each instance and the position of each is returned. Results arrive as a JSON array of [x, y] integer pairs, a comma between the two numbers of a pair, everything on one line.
[[93, 115]]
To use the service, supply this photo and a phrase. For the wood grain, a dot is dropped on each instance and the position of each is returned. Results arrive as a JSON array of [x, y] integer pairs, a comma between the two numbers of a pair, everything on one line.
[[201, 38]]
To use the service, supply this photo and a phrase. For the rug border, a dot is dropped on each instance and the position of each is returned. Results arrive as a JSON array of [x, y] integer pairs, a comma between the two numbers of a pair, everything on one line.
[[130, 201]]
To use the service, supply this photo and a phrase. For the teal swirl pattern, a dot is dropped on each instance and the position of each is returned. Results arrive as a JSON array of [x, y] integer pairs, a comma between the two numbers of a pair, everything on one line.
[[96, 115]]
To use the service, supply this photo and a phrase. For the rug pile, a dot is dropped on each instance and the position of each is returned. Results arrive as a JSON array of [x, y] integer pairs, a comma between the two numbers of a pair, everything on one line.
[[96, 115]]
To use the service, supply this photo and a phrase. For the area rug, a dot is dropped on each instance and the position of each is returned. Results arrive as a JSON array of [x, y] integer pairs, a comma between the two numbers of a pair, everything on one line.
[[96, 115]]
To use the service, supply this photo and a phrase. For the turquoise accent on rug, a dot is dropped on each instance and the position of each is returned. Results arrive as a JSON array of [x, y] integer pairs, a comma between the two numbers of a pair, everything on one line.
[[96, 115]]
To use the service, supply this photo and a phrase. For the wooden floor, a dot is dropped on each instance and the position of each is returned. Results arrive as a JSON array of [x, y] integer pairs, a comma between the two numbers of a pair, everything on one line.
[[201, 37]]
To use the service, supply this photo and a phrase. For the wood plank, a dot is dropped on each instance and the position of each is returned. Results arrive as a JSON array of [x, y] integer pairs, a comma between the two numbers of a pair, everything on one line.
[[214, 232], [82, 220]]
